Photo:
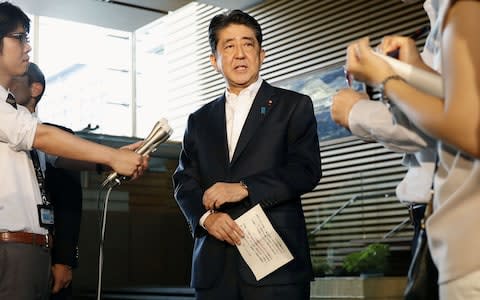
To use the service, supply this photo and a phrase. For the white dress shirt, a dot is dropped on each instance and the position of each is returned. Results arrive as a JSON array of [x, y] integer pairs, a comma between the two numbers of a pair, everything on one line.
[[20, 193], [237, 108]]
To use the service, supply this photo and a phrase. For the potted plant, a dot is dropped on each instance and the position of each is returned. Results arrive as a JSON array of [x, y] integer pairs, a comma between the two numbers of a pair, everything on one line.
[[373, 260], [370, 264], [321, 267]]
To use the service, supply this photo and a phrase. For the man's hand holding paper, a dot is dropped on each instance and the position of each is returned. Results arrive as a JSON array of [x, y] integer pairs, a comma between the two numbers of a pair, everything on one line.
[[262, 248], [224, 228]]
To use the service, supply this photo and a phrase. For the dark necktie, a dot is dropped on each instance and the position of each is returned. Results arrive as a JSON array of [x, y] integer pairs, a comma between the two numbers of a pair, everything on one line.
[[11, 100]]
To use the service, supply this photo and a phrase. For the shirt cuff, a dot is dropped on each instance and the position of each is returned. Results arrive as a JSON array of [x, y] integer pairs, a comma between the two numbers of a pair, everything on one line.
[[366, 116], [204, 217]]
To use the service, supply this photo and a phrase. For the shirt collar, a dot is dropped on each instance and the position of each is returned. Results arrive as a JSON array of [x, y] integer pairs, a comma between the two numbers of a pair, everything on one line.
[[250, 91], [3, 93]]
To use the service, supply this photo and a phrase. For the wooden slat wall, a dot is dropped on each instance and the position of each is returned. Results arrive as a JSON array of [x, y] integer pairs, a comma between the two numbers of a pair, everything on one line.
[[302, 36]]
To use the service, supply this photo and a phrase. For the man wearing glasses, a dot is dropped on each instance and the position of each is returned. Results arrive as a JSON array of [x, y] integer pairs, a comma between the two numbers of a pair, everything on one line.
[[21, 36], [25, 241], [62, 183]]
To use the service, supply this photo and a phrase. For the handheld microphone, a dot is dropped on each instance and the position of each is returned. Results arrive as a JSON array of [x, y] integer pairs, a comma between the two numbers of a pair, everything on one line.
[[159, 134]]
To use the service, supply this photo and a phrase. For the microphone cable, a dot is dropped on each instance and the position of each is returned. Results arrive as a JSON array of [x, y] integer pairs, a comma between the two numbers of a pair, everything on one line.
[[159, 134], [103, 221]]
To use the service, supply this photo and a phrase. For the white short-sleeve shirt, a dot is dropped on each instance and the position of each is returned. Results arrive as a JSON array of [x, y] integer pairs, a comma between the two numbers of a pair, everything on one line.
[[19, 192]]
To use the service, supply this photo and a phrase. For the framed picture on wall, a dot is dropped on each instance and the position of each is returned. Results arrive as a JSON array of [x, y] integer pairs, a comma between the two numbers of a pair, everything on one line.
[[321, 85]]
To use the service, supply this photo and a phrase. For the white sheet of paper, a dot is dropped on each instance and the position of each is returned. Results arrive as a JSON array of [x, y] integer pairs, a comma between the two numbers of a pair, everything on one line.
[[262, 248]]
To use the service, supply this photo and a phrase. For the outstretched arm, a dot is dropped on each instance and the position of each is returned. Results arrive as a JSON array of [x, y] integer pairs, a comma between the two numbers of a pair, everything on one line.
[[57, 142], [374, 121]]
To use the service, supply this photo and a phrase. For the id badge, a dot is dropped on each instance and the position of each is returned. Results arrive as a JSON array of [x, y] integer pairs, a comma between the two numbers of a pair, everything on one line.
[[45, 216]]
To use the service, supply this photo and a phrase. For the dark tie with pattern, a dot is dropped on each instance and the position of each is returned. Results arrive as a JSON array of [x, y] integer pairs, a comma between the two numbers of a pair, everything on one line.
[[11, 100]]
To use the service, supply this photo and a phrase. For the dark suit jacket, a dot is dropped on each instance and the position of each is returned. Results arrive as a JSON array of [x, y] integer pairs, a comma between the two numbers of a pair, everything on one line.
[[65, 192], [277, 156]]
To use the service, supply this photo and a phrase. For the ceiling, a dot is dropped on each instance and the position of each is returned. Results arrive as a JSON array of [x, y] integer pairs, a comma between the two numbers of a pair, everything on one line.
[[126, 15]]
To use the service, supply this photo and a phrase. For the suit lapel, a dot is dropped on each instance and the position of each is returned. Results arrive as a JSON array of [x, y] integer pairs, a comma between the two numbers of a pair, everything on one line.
[[219, 131], [258, 112]]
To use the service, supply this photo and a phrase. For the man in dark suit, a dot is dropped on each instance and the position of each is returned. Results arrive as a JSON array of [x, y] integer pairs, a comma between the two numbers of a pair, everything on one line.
[[65, 192], [63, 186], [255, 144]]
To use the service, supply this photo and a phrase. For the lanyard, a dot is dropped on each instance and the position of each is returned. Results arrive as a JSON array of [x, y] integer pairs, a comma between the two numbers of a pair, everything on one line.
[[39, 175]]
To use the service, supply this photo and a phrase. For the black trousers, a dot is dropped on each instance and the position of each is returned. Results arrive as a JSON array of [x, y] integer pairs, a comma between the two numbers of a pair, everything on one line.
[[24, 272], [230, 286]]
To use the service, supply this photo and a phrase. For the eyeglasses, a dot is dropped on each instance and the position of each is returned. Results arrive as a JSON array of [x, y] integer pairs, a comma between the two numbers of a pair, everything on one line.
[[21, 36]]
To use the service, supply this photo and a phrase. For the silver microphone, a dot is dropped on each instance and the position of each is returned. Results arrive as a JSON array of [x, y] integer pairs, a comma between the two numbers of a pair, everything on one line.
[[159, 134]]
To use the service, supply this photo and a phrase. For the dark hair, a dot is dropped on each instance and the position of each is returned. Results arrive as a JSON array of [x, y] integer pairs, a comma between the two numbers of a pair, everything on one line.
[[34, 74], [10, 17], [236, 16]]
